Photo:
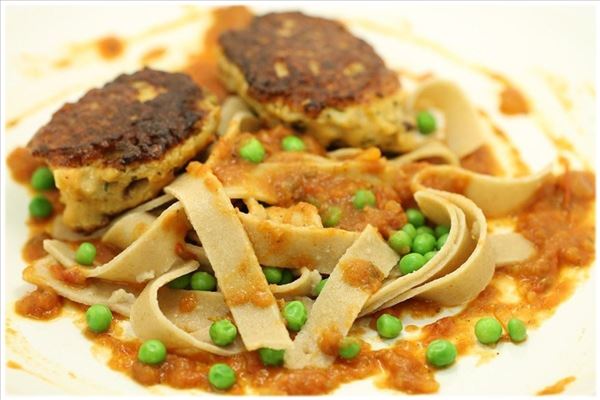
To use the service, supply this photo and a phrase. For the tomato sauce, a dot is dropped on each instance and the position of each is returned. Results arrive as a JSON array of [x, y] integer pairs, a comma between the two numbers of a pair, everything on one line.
[[110, 47], [43, 303], [202, 67]]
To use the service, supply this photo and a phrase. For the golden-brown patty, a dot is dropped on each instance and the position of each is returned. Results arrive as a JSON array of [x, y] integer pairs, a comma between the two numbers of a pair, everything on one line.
[[119, 145], [135, 118], [308, 62]]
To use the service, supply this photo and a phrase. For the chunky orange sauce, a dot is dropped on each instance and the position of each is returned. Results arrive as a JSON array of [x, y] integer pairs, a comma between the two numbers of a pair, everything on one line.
[[110, 47], [512, 102], [362, 274]]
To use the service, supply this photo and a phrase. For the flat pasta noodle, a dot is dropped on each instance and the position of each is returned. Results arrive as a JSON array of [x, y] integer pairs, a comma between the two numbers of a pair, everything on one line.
[[357, 274], [289, 246], [230, 252], [433, 150], [128, 229], [468, 280], [236, 115], [118, 298], [496, 196], [300, 214], [149, 321], [457, 248], [58, 230], [152, 254], [463, 128], [511, 248]]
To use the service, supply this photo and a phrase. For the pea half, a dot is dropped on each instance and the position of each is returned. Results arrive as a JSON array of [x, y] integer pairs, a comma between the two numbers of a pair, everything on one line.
[[203, 281], [388, 326], [295, 315], [152, 352], [85, 254], [488, 330], [349, 348], [40, 207], [426, 122], [401, 242], [516, 330], [441, 353], [319, 287], [42, 179], [415, 217], [271, 357], [98, 318], [411, 263], [363, 198], [292, 143], [253, 151], [221, 376], [331, 217], [223, 332]]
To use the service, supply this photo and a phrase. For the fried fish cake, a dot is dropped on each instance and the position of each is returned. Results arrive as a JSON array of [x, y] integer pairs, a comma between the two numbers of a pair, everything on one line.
[[313, 74], [119, 145]]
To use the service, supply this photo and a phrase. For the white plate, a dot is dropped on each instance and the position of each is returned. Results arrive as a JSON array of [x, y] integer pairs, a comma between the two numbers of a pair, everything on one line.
[[527, 43]]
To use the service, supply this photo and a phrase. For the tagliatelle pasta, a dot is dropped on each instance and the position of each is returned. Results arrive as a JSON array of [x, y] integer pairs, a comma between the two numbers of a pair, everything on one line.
[[357, 275], [472, 275], [496, 196], [118, 297], [150, 321], [463, 129], [236, 267]]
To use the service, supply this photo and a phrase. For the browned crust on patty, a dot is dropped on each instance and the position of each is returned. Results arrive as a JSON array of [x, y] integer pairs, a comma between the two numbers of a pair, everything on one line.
[[115, 126], [320, 63]]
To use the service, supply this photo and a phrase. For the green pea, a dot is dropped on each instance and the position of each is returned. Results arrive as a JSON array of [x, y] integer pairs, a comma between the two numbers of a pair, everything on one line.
[[426, 122], [425, 229], [40, 207], [221, 376], [85, 254], [183, 282], [152, 352], [222, 332], [349, 348], [292, 143], [203, 281], [98, 318], [415, 217], [400, 241], [410, 229], [253, 151], [271, 357], [295, 315], [331, 216], [411, 262], [516, 330], [319, 287], [363, 198], [428, 256], [488, 330], [423, 243], [273, 274], [388, 326], [441, 353], [42, 179], [442, 240], [286, 277], [441, 230]]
